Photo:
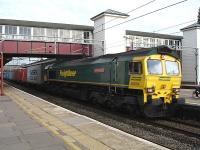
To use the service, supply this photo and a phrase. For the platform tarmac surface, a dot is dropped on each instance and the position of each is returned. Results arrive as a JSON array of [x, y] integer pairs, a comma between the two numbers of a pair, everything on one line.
[[18, 131], [189, 99], [30, 123]]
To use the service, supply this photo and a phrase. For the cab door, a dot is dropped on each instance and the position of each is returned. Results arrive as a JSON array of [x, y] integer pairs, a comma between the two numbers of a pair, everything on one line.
[[136, 75]]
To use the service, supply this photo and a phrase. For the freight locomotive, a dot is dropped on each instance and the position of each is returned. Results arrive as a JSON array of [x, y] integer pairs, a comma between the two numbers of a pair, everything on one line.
[[145, 81]]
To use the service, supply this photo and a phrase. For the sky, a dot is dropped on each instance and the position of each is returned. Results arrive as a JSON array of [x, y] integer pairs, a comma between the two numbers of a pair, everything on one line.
[[80, 12]]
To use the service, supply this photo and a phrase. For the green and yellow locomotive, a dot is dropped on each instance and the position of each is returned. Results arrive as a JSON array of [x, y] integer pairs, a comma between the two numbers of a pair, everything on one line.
[[145, 80]]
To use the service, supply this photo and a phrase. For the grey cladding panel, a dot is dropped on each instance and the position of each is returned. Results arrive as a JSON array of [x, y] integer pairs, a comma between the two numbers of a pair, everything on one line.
[[34, 74]]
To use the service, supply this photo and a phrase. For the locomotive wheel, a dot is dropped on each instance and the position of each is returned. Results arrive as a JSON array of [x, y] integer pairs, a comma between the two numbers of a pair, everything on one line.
[[110, 105], [94, 100], [154, 111], [128, 108]]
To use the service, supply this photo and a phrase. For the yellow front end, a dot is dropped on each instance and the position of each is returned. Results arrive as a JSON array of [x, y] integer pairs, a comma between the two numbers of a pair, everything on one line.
[[165, 84], [159, 79]]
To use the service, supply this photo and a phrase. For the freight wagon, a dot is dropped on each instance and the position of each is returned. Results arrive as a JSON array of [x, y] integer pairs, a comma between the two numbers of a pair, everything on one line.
[[36, 71], [20, 74], [8, 74]]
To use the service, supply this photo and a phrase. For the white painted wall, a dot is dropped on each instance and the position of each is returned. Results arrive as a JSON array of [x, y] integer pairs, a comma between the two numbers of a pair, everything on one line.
[[99, 35], [114, 37], [188, 55], [198, 46], [114, 41]]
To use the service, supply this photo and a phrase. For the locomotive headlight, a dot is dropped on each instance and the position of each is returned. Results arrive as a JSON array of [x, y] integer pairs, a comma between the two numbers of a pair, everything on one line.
[[150, 90], [176, 90]]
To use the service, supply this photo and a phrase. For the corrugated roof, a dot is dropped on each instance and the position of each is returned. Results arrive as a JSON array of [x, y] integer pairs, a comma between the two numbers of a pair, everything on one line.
[[45, 24], [195, 25], [153, 35], [111, 12]]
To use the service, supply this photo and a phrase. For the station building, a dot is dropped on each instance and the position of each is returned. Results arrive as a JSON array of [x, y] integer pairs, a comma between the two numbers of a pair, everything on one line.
[[117, 39]]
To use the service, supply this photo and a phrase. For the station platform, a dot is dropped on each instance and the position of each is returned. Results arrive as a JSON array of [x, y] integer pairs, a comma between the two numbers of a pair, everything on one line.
[[28, 122], [18, 131], [189, 99]]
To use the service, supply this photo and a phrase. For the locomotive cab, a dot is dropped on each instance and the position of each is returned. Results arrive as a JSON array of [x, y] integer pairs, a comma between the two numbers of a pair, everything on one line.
[[159, 77]]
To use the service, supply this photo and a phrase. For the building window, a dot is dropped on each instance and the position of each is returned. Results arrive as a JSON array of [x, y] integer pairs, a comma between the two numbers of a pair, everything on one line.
[[171, 43], [166, 42], [52, 33], [65, 35], [10, 29], [38, 34], [25, 31], [159, 42], [138, 41], [152, 42], [0, 29], [177, 44], [146, 42], [77, 36], [86, 35], [38, 31]]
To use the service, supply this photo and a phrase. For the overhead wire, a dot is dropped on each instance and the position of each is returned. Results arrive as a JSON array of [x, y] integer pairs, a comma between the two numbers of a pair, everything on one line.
[[145, 15], [171, 5], [175, 32], [172, 26], [141, 6]]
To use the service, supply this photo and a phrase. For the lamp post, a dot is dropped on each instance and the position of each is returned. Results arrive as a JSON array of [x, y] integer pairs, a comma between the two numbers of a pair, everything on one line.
[[55, 47], [1, 74], [1, 65]]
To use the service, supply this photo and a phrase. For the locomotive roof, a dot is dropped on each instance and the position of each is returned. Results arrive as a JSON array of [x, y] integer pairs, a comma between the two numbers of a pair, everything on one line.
[[144, 52], [121, 56]]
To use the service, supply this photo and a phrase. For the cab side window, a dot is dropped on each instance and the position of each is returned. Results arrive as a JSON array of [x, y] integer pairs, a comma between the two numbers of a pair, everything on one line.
[[135, 67]]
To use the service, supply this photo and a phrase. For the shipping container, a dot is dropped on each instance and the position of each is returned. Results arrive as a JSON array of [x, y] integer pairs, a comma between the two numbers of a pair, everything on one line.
[[34, 74], [15, 74], [20, 74], [36, 71], [8, 74], [23, 74]]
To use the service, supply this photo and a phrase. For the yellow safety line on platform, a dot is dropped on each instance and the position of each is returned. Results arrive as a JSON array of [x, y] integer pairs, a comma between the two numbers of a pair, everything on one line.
[[26, 107], [55, 125]]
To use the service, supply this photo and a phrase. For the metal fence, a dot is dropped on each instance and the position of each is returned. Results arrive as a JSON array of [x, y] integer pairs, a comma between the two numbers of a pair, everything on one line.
[[45, 39]]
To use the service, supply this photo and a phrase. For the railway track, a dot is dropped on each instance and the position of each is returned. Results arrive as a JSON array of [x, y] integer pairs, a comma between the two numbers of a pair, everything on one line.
[[191, 123], [179, 127], [171, 133], [188, 112]]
